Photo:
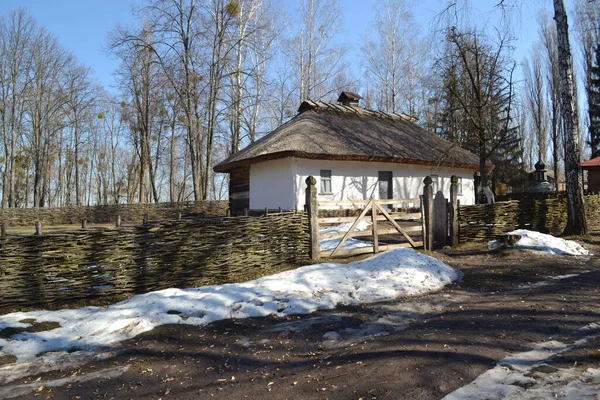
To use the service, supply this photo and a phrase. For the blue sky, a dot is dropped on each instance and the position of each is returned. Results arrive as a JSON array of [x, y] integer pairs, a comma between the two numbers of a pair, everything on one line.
[[82, 25]]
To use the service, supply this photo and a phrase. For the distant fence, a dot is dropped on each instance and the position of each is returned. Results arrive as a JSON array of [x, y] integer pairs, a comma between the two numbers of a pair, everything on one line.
[[487, 221], [130, 213], [40, 270]]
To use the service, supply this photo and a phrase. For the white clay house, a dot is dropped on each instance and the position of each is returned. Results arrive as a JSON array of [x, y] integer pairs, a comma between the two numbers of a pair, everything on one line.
[[354, 154]]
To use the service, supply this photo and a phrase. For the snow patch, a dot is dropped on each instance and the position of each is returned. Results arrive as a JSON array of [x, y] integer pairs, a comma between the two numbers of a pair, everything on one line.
[[516, 376], [345, 227], [541, 242], [350, 243], [386, 276]]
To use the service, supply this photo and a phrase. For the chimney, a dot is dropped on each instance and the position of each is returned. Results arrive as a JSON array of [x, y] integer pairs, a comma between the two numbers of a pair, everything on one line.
[[349, 99]]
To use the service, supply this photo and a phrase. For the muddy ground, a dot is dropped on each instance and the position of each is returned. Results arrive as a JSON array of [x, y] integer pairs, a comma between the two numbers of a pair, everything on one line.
[[414, 348]]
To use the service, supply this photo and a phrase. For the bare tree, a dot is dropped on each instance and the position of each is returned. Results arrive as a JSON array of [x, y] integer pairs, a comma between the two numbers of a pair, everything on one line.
[[393, 57], [254, 40], [281, 101], [480, 86], [587, 23], [17, 32], [79, 103], [576, 221], [140, 83], [536, 101], [311, 49], [549, 41], [46, 107], [113, 127]]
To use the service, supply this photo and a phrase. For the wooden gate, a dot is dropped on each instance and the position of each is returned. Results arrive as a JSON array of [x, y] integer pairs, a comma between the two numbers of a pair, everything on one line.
[[387, 228], [440, 220], [440, 216]]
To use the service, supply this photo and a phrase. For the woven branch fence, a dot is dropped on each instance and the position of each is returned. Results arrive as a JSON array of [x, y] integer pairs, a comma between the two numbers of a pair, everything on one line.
[[39, 270], [130, 213], [487, 221]]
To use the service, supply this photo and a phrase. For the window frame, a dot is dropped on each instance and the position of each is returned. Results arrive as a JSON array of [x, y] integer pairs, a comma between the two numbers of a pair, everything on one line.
[[325, 178]]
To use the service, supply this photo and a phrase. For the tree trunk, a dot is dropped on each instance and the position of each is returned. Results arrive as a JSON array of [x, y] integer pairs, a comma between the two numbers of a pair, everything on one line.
[[576, 222], [172, 163]]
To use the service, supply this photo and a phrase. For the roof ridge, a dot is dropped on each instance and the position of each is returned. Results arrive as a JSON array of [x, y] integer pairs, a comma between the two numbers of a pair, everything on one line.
[[328, 106]]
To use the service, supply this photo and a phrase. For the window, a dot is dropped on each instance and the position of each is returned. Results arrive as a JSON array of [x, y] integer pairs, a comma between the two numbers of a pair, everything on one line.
[[325, 181]]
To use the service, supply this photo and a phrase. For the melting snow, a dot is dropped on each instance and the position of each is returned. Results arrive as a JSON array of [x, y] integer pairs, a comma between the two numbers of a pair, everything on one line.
[[345, 227], [517, 376], [350, 243], [387, 276], [541, 242]]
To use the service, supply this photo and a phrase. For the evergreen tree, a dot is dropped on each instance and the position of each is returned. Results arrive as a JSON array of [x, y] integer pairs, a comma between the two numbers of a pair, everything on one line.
[[477, 102]]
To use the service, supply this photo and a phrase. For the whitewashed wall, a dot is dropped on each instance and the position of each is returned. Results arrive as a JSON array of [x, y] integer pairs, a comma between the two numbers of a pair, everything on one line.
[[272, 185], [359, 180], [281, 183]]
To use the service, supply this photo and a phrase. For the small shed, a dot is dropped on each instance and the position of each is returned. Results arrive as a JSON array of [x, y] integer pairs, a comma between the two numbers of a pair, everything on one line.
[[593, 168]]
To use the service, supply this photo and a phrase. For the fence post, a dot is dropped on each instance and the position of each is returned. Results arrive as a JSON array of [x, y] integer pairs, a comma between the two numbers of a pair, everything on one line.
[[145, 219], [453, 210], [178, 216], [313, 217], [38, 228], [374, 227], [3, 230], [118, 221], [83, 223], [428, 213]]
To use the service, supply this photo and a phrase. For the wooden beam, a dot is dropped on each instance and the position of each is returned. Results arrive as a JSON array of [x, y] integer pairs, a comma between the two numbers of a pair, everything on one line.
[[408, 238], [369, 232], [342, 203], [364, 250], [313, 221], [347, 235], [374, 228], [402, 217]]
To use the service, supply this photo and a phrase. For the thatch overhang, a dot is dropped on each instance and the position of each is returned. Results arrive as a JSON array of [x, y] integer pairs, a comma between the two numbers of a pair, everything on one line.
[[324, 131]]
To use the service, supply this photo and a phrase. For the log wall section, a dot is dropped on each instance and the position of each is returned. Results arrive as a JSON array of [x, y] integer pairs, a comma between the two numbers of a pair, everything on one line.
[[239, 190]]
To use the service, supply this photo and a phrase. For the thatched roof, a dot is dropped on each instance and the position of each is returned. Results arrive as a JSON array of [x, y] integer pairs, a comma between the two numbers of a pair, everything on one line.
[[327, 131]]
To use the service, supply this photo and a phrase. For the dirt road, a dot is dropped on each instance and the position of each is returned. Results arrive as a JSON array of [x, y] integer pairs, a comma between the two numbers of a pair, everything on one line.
[[420, 348]]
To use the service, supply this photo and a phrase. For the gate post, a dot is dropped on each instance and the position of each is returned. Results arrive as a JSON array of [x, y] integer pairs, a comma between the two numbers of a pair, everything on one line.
[[313, 215], [453, 210], [428, 213]]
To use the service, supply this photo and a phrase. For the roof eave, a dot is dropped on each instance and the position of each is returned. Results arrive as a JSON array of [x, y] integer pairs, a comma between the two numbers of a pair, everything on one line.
[[227, 167]]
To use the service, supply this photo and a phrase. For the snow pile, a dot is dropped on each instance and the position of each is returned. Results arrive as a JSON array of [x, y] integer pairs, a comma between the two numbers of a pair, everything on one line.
[[350, 243], [386, 276], [531, 240]]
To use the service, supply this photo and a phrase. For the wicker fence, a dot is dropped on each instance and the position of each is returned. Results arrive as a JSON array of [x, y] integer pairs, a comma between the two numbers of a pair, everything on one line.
[[487, 221], [130, 213], [40, 270]]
